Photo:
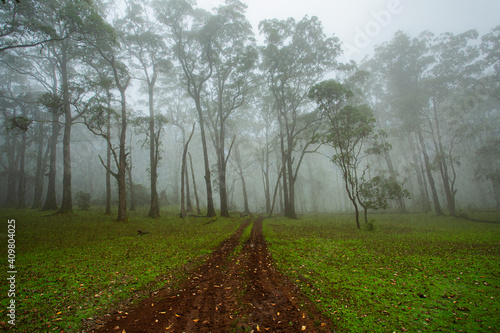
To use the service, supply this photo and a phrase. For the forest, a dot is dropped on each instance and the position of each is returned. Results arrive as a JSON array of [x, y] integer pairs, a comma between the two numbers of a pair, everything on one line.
[[162, 102], [162, 116]]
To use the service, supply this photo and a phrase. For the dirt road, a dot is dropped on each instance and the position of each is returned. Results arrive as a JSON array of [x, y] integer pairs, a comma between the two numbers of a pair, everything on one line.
[[230, 292]]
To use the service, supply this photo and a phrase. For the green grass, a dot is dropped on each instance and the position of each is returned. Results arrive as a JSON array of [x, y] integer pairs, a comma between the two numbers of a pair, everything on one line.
[[413, 273], [71, 268]]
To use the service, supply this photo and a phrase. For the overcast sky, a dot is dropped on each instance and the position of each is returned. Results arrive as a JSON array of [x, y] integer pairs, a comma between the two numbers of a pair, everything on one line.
[[362, 24]]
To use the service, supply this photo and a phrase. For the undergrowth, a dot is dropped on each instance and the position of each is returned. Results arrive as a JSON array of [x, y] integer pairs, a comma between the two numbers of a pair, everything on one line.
[[413, 273]]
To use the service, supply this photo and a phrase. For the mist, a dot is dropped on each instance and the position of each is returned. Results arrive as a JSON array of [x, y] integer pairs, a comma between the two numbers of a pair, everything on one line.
[[239, 112]]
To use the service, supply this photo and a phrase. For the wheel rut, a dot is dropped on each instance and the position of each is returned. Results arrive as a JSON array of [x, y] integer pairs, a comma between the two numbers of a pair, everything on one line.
[[230, 292]]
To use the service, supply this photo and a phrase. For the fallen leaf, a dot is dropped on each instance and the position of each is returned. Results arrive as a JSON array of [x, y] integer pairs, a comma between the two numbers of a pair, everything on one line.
[[195, 320], [303, 328]]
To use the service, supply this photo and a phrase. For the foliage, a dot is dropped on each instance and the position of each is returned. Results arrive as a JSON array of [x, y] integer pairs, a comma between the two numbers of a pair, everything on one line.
[[413, 273], [83, 200], [377, 192]]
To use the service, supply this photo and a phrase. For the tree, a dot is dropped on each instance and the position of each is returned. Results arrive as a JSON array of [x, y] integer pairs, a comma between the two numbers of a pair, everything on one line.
[[184, 176], [376, 193], [348, 128], [235, 57], [24, 25], [146, 45], [121, 80], [296, 56], [403, 63], [193, 32], [488, 166]]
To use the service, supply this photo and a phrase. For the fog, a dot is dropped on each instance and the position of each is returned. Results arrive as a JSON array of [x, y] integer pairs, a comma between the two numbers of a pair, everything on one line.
[[351, 106]]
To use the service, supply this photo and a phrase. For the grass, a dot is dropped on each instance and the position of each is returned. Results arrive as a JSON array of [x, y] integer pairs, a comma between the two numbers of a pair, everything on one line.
[[72, 268], [413, 273]]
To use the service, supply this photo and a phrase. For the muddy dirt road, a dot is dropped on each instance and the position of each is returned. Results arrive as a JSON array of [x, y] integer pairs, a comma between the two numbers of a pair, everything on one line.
[[233, 291]]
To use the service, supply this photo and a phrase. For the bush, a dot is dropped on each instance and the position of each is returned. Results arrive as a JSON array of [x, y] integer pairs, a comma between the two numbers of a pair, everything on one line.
[[83, 200], [370, 226]]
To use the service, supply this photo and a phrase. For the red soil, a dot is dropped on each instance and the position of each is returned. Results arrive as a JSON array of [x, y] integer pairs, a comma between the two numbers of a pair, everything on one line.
[[230, 292]]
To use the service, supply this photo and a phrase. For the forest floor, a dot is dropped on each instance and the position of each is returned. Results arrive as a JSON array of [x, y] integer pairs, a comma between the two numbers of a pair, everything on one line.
[[237, 289]]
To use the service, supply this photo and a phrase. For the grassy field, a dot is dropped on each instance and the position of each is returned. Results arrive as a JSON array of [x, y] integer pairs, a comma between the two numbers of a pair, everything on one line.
[[71, 268], [413, 273]]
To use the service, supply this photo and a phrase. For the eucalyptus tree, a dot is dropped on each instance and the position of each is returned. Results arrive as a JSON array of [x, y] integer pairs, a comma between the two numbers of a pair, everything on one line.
[[348, 129], [73, 23], [403, 63], [143, 40], [234, 58], [488, 153], [193, 32], [296, 56], [23, 26], [121, 80], [452, 73]]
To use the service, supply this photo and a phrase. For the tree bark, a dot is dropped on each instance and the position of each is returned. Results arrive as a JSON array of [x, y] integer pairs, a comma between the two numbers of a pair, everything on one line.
[[424, 198], [435, 197], [50, 198], [198, 211], [122, 161], [108, 160], [21, 189], [392, 175], [131, 182], [183, 174], [208, 181], [41, 162], [67, 200], [154, 207]]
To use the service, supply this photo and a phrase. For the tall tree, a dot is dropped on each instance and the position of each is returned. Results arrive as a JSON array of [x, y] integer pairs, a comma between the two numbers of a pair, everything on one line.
[[235, 56], [403, 62], [194, 32], [348, 128], [296, 56], [453, 70], [144, 42]]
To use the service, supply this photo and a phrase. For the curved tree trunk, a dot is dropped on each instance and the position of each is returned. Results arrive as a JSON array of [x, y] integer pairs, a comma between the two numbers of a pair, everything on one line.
[[198, 211]]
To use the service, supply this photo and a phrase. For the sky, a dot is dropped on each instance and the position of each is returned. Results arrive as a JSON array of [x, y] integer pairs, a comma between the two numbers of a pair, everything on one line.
[[362, 24]]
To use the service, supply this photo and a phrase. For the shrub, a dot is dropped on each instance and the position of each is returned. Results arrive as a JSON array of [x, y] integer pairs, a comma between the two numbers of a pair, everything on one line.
[[83, 200]]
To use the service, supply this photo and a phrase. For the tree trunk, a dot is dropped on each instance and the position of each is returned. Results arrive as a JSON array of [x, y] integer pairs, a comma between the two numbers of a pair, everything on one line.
[[131, 179], [435, 197], [50, 198], [67, 201], [108, 161], [21, 189], [392, 175], [154, 207], [11, 198], [189, 205], [41, 162], [198, 211], [122, 162], [183, 173], [443, 167], [208, 181], [424, 198]]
